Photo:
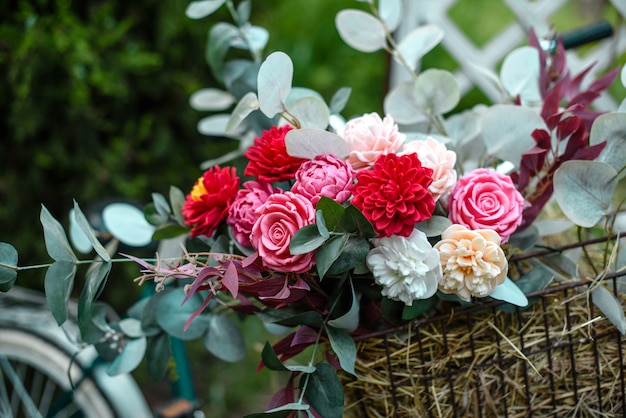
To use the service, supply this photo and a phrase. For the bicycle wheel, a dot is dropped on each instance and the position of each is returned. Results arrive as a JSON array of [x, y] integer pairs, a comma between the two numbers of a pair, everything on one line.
[[39, 379]]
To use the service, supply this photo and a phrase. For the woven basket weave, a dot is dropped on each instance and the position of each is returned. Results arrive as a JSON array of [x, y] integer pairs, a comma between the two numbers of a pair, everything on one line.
[[560, 357]]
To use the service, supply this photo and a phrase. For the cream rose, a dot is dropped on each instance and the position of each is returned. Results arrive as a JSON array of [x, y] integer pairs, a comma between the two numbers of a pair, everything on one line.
[[434, 155], [473, 262]]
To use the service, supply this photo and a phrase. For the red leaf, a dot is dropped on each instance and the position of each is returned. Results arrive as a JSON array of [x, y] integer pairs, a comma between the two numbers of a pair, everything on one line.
[[284, 396], [198, 311], [605, 81], [202, 276], [230, 279], [567, 127], [551, 104]]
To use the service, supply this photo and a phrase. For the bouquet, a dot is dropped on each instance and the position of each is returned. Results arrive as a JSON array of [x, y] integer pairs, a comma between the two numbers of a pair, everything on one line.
[[337, 227]]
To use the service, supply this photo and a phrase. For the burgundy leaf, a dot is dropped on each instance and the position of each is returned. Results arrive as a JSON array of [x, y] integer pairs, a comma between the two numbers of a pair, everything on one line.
[[574, 85], [585, 98], [202, 276], [230, 279], [567, 127], [551, 104], [198, 311], [304, 335], [589, 153], [604, 82], [285, 395]]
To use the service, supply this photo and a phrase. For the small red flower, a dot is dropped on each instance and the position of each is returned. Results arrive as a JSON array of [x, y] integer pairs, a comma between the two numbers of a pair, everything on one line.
[[208, 203], [394, 195], [268, 158]]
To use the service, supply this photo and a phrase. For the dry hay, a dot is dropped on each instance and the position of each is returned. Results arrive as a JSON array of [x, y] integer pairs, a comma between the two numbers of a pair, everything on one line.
[[559, 358]]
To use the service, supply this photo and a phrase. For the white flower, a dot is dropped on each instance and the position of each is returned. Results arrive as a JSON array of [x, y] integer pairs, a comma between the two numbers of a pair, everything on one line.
[[407, 268]]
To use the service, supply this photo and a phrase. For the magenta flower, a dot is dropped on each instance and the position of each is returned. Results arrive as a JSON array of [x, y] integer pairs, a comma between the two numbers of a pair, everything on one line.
[[324, 176]]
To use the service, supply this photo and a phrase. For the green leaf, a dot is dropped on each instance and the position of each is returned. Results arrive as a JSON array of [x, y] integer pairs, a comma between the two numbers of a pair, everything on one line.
[[290, 317], [305, 240], [224, 339], [274, 83], [172, 314], [93, 330], [343, 345], [361, 30], [434, 226], [353, 216], [8, 266], [220, 37], [333, 213], [436, 91], [610, 306], [321, 224], [282, 411], [353, 255], [95, 282], [129, 359], [58, 284], [324, 391], [161, 205], [83, 224], [584, 190], [158, 355], [326, 255], [152, 216], [169, 231], [536, 279], [131, 327], [55, 239], [350, 320], [272, 362], [418, 308]]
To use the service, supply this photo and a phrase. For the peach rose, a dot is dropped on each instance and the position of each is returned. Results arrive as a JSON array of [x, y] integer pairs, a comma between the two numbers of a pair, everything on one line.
[[472, 261], [434, 155], [368, 137]]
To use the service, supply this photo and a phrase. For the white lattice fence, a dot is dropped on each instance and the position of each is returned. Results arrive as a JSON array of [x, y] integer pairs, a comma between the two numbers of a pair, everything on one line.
[[535, 14]]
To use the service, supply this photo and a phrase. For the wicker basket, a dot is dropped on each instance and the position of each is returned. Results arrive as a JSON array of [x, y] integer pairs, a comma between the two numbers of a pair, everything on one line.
[[560, 357]]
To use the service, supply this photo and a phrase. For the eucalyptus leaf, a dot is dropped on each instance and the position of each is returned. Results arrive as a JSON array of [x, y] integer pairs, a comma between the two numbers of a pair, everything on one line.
[[131, 327], [252, 38], [95, 281], [161, 205], [547, 227], [129, 359], [224, 339], [583, 190], [84, 225], [200, 9], [328, 253], [274, 83], [390, 11], [324, 391], [343, 346], [79, 240], [509, 292], [623, 75], [172, 315], [244, 9], [353, 255], [350, 320], [211, 99], [8, 266], [177, 200], [167, 231], [418, 43], [248, 104], [507, 131], [58, 285], [520, 74], [220, 37], [128, 224], [436, 91], [309, 143], [611, 127], [158, 356], [361, 30], [434, 226], [400, 103], [610, 306], [311, 112], [57, 245], [217, 126], [272, 362], [339, 100]]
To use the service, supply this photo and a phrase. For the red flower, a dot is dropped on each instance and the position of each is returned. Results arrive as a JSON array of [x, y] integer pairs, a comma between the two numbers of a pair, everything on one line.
[[208, 203], [268, 158], [394, 195]]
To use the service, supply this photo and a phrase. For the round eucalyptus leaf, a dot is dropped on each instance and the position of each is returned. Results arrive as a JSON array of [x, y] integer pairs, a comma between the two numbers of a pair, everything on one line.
[[548, 227], [172, 315], [463, 127], [131, 327], [200, 9], [274, 83], [418, 43], [80, 240], [509, 292], [8, 258], [520, 74], [401, 104], [216, 125], [224, 339], [436, 91], [390, 11], [623, 75], [311, 112], [129, 359], [248, 104], [309, 143], [507, 131], [583, 190], [211, 99], [361, 30], [298, 93], [611, 127], [128, 224], [254, 38]]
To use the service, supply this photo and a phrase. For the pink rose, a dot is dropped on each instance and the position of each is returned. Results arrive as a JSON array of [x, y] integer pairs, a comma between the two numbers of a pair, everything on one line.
[[279, 218], [324, 176], [368, 137], [241, 215], [434, 155], [486, 199]]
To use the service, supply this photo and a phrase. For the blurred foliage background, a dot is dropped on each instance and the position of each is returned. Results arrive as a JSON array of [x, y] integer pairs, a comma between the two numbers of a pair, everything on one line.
[[94, 103]]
